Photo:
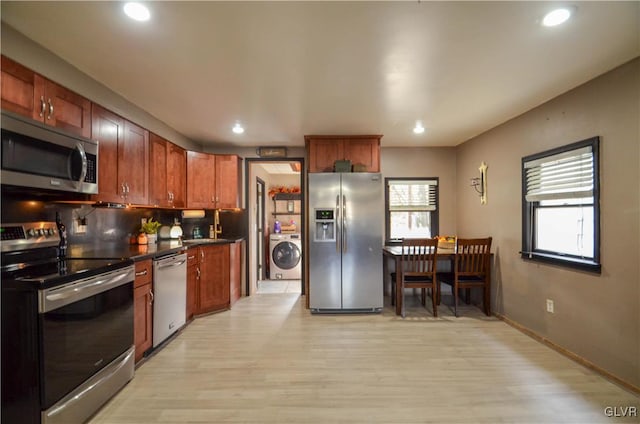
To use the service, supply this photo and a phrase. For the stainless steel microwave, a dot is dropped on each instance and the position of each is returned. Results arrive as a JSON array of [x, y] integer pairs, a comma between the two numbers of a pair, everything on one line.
[[39, 156]]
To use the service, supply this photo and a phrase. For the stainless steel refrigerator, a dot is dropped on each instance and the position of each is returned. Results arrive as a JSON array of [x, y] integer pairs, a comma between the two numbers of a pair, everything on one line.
[[346, 219]]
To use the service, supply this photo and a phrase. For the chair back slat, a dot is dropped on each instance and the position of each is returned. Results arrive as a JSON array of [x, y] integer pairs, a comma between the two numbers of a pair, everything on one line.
[[418, 256], [473, 256]]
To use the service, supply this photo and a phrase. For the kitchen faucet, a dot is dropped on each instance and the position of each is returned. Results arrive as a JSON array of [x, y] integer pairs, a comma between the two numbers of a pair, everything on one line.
[[217, 228]]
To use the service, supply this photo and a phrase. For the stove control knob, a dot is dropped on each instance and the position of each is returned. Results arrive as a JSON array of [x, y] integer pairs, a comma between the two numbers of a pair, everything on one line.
[[48, 232], [31, 232], [39, 232]]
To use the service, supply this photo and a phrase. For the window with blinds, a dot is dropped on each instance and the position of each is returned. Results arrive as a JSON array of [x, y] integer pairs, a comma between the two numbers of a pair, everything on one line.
[[411, 208], [561, 206]]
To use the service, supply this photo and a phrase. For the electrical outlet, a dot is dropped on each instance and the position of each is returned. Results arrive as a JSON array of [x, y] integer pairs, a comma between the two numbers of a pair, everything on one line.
[[78, 228], [143, 221], [549, 305]]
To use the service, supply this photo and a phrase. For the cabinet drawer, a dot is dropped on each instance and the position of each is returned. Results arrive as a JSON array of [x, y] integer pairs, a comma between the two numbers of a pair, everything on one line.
[[143, 273]]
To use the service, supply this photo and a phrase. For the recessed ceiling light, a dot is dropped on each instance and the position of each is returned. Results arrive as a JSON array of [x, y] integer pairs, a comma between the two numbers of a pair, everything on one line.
[[237, 128], [137, 11], [418, 129], [556, 17]]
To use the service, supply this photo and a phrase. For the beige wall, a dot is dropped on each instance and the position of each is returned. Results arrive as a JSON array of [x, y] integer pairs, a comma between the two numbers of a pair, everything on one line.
[[426, 162], [596, 316], [26, 52]]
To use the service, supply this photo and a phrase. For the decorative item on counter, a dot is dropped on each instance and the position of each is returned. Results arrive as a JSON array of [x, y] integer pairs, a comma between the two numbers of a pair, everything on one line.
[[164, 232], [196, 233], [142, 238], [150, 229], [276, 227], [176, 230]]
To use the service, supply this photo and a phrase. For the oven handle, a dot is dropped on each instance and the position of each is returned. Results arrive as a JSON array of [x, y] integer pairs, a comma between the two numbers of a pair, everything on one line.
[[57, 297]]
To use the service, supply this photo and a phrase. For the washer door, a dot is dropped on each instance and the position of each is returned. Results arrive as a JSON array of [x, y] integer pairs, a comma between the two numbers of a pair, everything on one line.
[[286, 255]]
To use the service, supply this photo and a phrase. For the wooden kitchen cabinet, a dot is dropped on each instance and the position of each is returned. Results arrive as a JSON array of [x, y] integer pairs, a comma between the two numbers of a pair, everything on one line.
[[228, 180], [201, 175], [213, 181], [324, 150], [167, 173], [143, 308], [213, 285], [193, 276], [30, 94], [123, 167]]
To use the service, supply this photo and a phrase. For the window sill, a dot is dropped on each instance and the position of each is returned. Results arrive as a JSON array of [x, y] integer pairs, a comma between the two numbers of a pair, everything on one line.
[[564, 261]]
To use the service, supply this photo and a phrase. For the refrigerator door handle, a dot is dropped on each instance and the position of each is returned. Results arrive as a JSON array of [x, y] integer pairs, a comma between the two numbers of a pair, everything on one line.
[[344, 224], [338, 226]]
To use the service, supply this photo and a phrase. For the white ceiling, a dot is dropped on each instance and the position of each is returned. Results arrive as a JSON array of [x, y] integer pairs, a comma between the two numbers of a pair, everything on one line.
[[282, 168], [286, 69]]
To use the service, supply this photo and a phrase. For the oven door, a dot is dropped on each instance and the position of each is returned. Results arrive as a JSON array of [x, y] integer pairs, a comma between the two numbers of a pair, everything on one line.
[[85, 326]]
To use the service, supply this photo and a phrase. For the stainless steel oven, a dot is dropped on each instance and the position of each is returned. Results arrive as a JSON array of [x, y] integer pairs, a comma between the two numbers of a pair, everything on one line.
[[39, 156], [67, 332]]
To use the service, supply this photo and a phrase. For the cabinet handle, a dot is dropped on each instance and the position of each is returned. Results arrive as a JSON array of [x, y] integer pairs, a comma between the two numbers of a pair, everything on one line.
[[141, 273], [151, 300], [128, 188], [43, 105], [50, 109], [191, 257], [198, 273], [202, 254]]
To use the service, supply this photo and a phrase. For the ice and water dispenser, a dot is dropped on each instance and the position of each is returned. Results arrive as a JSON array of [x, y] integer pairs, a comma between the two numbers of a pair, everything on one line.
[[325, 225]]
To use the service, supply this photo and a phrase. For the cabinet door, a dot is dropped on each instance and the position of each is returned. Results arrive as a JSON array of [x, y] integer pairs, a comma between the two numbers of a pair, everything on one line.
[[133, 163], [200, 180], [323, 153], [213, 288], [177, 175], [363, 152], [227, 181], [108, 129], [193, 276], [18, 90], [158, 192], [64, 108], [143, 325]]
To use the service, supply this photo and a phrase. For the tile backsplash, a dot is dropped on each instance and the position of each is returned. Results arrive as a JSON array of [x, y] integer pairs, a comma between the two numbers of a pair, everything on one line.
[[113, 225]]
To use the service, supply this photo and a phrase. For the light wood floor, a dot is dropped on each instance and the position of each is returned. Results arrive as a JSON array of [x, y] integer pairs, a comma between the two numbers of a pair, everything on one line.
[[270, 361]]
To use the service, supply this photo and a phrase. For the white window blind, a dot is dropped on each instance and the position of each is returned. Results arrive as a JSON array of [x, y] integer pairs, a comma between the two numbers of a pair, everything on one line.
[[566, 175], [407, 195]]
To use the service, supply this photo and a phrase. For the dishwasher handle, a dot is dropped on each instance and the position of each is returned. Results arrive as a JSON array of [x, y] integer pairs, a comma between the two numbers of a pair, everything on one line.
[[172, 264]]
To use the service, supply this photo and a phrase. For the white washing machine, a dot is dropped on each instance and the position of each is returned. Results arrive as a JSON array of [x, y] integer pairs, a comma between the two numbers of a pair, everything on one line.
[[286, 256]]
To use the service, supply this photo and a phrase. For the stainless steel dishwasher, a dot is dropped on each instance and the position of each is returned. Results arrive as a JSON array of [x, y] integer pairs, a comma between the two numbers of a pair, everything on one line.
[[170, 295]]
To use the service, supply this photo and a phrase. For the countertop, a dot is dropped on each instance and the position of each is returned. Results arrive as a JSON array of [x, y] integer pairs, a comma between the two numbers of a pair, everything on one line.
[[137, 252]]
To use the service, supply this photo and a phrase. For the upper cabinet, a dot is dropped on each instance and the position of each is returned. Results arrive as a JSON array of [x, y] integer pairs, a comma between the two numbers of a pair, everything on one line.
[[362, 150], [123, 167], [167, 173], [228, 180], [213, 181], [29, 94]]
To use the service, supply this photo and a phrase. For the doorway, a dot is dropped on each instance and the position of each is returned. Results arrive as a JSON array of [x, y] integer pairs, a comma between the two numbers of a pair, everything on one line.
[[274, 191]]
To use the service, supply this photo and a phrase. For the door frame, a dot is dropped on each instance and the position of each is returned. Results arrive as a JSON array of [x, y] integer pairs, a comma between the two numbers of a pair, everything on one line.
[[260, 219], [251, 202]]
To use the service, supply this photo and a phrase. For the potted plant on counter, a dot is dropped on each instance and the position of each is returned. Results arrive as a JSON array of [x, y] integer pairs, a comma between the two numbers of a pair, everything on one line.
[[150, 229]]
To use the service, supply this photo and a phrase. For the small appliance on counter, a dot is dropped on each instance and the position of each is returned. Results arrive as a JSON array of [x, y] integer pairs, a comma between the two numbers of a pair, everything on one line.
[[164, 232], [176, 230]]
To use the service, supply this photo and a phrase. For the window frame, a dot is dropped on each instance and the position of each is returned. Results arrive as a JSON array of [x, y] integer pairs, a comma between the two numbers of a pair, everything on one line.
[[435, 220], [529, 252]]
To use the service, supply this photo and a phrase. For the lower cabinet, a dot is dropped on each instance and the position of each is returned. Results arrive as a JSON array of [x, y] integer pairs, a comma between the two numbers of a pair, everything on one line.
[[213, 286], [143, 308], [193, 276]]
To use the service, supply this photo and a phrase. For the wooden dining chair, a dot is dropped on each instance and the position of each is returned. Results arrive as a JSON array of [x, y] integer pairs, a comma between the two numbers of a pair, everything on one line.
[[418, 270], [471, 269]]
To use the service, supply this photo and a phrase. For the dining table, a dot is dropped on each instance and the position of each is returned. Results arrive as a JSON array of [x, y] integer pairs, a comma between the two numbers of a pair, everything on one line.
[[394, 252]]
